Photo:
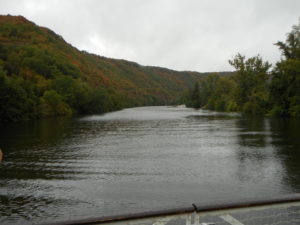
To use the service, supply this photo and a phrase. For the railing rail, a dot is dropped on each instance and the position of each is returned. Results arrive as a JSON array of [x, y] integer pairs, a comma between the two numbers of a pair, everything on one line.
[[192, 213]]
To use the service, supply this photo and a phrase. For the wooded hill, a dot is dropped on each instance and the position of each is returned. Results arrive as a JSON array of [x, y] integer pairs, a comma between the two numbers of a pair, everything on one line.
[[41, 75]]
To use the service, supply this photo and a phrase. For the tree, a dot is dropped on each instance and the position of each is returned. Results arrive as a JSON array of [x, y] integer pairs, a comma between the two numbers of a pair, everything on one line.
[[193, 97], [222, 98], [17, 99], [53, 105], [291, 48], [207, 88], [252, 77], [285, 86]]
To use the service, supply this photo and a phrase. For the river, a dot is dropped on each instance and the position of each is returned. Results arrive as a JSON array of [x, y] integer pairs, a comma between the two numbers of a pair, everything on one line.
[[142, 159]]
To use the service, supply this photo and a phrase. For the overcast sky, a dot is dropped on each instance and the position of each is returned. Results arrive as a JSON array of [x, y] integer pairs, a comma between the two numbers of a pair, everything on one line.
[[198, 35]]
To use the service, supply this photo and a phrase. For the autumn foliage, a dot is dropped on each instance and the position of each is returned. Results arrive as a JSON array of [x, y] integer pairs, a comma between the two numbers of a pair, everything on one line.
[[41, 76]]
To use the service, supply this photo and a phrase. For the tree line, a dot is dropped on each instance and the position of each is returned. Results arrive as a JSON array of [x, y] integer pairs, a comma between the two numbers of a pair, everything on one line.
[[256, 87], [41, 75], [36, 83]]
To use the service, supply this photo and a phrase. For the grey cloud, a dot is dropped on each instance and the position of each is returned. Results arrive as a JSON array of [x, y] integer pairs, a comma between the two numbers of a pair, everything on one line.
[[196, 35]]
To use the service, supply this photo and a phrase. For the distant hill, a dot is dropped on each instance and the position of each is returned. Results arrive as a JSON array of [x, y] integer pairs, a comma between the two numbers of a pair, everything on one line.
[[42, 75]]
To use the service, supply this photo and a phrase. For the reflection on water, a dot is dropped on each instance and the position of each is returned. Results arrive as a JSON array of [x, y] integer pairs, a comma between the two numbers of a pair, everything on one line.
[[286, 143], [142, 159]]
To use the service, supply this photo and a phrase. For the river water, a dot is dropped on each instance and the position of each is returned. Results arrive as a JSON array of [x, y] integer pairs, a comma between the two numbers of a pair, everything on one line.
[[142, 159]]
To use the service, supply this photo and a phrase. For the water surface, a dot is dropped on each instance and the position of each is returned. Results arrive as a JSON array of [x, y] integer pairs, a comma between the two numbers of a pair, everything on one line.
[[142, 159]]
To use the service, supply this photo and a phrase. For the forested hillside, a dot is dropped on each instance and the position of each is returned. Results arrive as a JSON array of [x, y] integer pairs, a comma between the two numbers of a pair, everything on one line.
[[42, 76], [256, 87]]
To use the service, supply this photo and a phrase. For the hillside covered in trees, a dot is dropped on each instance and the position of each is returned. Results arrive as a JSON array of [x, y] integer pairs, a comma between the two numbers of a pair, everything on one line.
[[256, 87], [42, 76]]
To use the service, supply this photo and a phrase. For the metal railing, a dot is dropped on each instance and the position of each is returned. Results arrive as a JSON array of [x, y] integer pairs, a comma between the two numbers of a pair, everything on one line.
[[274, 211]]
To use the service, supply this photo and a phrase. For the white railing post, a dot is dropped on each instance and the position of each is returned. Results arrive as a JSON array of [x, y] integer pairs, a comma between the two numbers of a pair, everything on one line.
[[196, 218], [193, 219], [188, 220]]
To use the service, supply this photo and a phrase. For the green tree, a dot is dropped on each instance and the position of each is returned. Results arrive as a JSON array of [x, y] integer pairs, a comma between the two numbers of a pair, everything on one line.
[[207, 88], [222, 98], [53, 105], [195, 96], [98, 102], [17, 99], [70, 90], [251, 92], [285, 86]]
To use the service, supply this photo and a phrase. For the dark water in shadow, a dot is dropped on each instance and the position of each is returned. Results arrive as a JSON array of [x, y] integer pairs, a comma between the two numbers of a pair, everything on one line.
[[142, 159]]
